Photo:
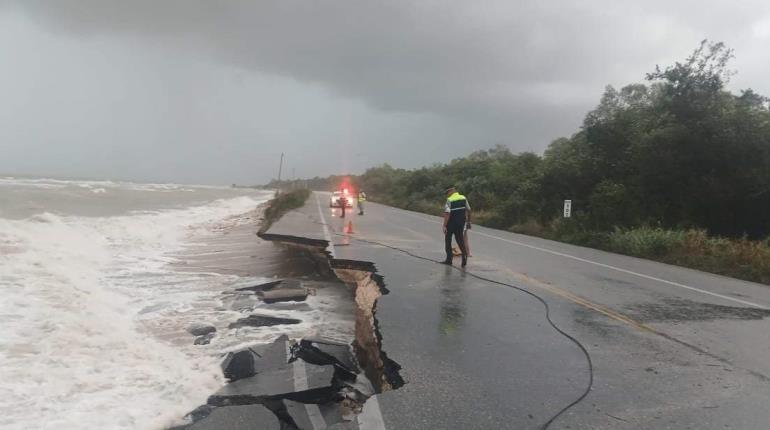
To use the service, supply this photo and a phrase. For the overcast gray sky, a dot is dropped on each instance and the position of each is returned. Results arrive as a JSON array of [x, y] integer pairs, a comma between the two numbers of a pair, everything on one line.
[[213, 91]]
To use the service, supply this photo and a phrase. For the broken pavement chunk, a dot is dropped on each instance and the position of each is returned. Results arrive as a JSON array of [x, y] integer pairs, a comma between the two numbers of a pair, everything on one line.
[[284, 295], [306, 416], [262, 321], [248, 362], [321, 352], [251, 417], [279, 383], [261, 287], [239, 365], [291, 306]]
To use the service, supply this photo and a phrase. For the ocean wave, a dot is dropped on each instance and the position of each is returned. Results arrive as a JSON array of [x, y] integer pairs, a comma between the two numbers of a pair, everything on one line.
[[76, 351]]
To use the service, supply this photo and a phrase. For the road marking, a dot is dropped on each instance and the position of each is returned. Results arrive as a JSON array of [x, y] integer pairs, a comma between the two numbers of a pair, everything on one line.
[[327, 236], [607, 266], [370, 417], [579, 300], [300, 384]]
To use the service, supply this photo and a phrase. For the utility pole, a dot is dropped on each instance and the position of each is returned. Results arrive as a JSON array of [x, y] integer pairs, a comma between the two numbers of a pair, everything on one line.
[[280, 168]]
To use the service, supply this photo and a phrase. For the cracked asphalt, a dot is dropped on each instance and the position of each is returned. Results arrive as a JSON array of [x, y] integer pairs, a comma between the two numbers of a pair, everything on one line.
[[671, 347]]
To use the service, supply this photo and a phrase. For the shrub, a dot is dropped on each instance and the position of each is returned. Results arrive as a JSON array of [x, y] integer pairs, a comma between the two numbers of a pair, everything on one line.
[[530, 227], [646, 241]]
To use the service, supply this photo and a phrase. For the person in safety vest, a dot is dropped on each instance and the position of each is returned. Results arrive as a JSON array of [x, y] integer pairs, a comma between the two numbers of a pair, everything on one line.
[[457, 216], [361, 201]]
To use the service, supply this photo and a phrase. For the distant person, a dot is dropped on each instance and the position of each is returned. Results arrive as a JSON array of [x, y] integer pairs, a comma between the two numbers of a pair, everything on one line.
[[457, 217], [361, 201], [343, 202]]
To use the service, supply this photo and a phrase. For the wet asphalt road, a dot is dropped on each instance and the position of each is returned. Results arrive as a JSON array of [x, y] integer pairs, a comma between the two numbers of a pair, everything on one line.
[[671, 348]]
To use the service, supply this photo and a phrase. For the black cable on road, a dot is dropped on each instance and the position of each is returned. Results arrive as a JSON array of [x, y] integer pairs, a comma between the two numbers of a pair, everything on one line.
[[582, 348]]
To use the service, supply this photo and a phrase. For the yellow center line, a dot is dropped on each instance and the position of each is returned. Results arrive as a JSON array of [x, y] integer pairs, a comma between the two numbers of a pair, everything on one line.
[[580, 301]]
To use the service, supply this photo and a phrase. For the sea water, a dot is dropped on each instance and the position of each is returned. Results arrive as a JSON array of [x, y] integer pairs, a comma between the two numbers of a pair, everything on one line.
[[90, 304]]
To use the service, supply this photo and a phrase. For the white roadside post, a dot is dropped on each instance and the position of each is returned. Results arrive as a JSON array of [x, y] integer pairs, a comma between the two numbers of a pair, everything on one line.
[[567, 208]]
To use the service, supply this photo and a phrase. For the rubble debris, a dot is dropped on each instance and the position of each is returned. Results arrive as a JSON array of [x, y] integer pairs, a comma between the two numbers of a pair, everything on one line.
[[338, 415], [199, 329], [256, 320], [204, 339], [359, 389]]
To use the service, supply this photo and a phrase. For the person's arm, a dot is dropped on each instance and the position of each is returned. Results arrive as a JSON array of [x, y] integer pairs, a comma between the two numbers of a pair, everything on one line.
[[447, 210], [467, 214]]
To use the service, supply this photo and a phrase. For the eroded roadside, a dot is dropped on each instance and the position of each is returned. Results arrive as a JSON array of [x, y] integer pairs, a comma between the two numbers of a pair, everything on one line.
[[313, 382]]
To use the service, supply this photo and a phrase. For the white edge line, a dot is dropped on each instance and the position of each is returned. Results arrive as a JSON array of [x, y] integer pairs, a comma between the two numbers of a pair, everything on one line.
[[327, 236], [370, 417], [300, 384], [607, 266]]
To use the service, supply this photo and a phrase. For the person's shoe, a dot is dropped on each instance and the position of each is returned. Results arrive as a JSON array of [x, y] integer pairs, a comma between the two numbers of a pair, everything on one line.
[[465, 261], [447, 262]]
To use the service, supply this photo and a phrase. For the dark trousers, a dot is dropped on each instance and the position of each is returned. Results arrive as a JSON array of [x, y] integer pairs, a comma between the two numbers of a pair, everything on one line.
[[458, 234]]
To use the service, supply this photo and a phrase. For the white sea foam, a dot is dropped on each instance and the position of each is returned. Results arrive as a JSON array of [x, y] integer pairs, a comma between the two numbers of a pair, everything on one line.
[[86, 339]]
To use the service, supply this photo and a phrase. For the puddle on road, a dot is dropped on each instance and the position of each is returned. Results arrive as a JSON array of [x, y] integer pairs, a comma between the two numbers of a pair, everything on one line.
[[672, 310]]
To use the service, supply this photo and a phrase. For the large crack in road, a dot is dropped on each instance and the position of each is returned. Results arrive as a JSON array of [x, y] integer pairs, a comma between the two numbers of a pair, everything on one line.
[[313, 383]]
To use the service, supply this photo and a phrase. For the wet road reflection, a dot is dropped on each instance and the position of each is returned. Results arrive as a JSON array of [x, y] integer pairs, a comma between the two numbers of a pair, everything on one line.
[[453, 304]]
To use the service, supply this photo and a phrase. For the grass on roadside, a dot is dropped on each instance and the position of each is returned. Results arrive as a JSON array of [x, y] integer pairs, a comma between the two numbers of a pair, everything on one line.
[[737, 258], [281, 204]]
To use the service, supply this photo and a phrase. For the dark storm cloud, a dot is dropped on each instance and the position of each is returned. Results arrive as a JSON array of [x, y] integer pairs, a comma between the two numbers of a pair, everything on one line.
[[426, 56], [520, 72]]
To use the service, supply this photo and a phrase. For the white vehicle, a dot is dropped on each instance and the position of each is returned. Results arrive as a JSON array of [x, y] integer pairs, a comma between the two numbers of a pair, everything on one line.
[[336, 197]]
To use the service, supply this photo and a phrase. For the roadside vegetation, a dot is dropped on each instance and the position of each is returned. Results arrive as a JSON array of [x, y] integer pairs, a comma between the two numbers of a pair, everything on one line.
[[281, 204], [675, 169]]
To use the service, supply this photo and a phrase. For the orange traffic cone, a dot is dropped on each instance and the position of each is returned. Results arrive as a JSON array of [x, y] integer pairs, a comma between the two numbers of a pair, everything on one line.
[[349, 229]]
